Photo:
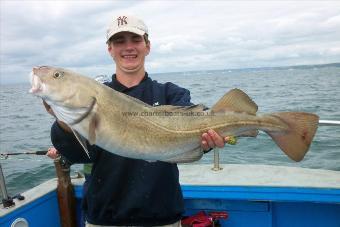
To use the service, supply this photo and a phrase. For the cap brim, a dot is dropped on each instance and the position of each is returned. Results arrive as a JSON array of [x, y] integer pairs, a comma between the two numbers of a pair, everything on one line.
[[126, 29]]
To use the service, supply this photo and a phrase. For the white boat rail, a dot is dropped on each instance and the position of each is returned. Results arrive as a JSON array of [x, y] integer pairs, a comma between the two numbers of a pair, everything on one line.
[[329, 123]]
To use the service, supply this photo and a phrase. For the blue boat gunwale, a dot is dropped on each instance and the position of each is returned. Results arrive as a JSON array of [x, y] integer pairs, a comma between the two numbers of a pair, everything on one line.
[[255, 193], [258, 193]]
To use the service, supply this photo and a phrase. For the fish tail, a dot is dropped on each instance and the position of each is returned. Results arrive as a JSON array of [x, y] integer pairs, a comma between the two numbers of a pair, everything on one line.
[[296, 140]]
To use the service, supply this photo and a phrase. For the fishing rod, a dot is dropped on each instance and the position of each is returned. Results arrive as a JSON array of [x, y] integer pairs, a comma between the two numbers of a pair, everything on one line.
[[5, 155], [28, 152]]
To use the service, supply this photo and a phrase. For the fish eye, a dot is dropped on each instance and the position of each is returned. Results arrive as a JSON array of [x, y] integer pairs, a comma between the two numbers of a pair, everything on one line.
[[57, 75]]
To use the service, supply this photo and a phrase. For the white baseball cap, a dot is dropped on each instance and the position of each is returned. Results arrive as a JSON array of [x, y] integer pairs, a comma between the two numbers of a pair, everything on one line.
[[126, 24]]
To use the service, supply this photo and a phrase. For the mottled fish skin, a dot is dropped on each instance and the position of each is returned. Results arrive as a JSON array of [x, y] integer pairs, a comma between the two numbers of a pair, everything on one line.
[[128, 127]]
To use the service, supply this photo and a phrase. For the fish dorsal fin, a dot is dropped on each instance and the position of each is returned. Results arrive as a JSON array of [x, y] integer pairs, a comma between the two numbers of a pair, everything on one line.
[[237, 101], [169, 108]]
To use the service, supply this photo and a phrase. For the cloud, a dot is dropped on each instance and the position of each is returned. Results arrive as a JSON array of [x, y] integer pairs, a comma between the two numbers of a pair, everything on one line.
[[185, 35]]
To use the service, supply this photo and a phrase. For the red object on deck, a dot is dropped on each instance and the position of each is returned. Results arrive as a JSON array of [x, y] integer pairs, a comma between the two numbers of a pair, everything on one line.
[[201, 219], [219, 215]]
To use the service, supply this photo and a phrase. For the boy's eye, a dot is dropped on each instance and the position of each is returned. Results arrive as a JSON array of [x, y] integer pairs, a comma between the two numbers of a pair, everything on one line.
[[118, 40], [121, 40], [137, 39]]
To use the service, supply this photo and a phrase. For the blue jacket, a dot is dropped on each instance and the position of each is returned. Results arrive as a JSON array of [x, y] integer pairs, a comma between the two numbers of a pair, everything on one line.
[[124, 191]]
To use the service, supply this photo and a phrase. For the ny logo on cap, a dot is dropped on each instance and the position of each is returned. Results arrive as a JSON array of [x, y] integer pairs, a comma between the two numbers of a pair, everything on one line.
[[121, 20]]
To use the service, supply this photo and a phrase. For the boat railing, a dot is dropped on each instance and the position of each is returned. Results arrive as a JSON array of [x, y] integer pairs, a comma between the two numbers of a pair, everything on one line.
[[329, 123]]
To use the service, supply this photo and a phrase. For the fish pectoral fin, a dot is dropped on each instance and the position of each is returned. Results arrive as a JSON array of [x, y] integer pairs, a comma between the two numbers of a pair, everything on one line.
[[87, 112], [92, 128], [82, 141], [189, 156], [235, 100]]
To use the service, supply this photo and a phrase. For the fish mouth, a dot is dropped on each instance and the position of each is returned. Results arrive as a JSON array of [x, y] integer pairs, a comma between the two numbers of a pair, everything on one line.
[[36, 83]]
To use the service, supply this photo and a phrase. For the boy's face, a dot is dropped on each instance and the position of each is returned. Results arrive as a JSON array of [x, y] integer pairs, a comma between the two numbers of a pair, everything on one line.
[[129, 51]]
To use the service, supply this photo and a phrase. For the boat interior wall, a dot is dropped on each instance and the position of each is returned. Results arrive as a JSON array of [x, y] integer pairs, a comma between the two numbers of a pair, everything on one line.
[[40, 208]]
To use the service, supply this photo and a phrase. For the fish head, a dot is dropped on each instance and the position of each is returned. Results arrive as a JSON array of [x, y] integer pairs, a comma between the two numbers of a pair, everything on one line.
[[64, 90], [58, 84], [49, 83]]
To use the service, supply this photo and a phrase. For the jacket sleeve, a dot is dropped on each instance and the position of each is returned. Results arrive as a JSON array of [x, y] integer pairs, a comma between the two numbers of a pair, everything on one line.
[[177, 96], [67, 145]]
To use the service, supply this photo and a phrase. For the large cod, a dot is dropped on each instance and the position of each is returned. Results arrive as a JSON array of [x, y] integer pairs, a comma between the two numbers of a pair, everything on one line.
[[128, 127]]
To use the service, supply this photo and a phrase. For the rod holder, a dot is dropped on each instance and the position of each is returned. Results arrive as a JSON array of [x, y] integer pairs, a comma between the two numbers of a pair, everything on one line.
[[65, 192], [7, 201], [216, 160]]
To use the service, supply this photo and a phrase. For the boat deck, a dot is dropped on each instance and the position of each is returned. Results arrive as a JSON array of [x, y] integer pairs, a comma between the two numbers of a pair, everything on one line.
[[258, 175]]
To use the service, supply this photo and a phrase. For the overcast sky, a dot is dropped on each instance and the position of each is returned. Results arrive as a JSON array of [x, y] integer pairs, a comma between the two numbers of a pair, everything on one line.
[[185, 35]]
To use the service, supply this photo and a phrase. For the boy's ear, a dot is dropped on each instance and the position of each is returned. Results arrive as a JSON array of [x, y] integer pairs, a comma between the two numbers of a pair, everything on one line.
[[148, 46]]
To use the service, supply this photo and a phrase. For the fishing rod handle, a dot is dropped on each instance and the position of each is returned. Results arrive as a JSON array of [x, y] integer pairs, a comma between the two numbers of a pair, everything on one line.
[[41, 152]]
